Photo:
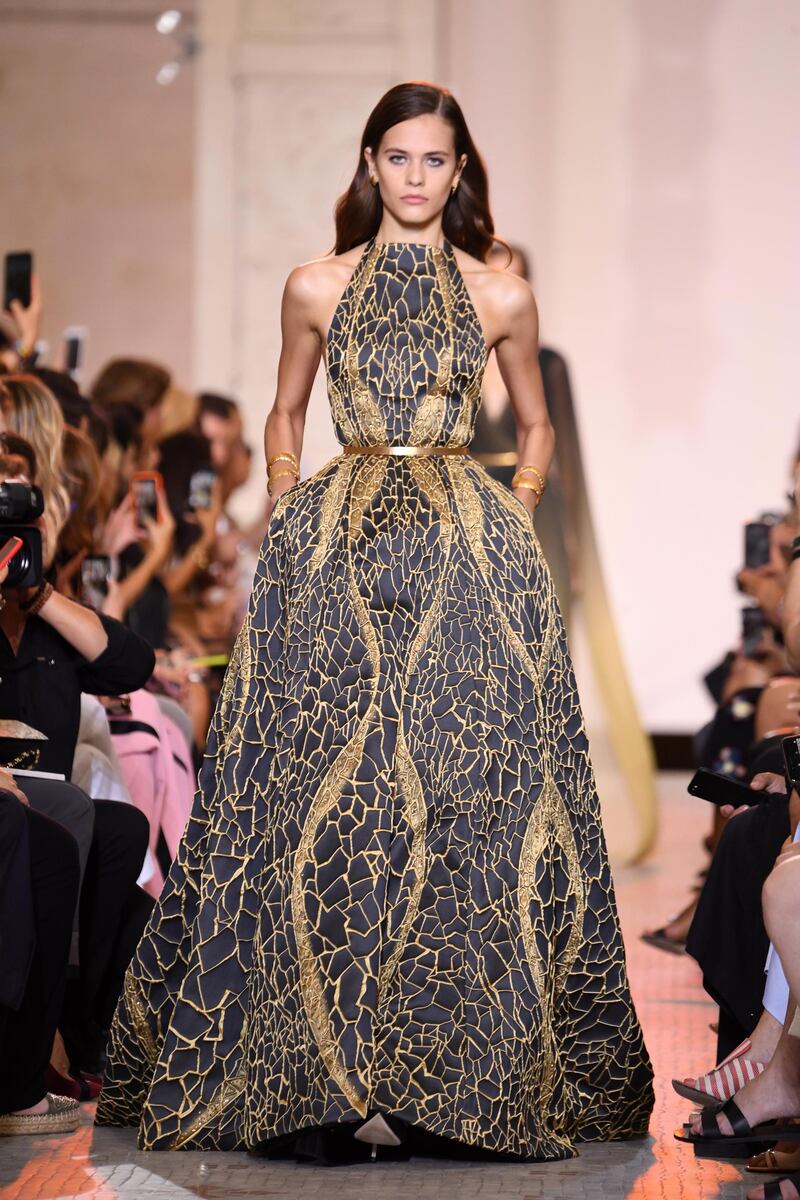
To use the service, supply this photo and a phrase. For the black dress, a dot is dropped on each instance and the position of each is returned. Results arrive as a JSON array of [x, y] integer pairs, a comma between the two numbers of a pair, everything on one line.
[[393, 892]]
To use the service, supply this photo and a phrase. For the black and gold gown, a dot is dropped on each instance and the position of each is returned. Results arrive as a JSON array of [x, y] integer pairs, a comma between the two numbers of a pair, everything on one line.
[[393, 892]]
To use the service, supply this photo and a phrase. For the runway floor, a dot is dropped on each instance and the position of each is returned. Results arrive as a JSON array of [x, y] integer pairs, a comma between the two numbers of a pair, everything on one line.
[[104, 1164]]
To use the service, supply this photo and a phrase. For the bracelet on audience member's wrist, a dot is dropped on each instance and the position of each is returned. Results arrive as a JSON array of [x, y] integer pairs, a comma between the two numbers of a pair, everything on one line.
[[37, 601]]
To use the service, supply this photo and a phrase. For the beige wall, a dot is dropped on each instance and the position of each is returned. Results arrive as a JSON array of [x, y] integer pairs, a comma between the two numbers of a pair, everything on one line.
[[284, 90], [97, 173], [647, 154], [644, 150]]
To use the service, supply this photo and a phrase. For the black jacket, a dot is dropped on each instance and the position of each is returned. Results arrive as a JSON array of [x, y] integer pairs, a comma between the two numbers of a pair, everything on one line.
[[42, 684]]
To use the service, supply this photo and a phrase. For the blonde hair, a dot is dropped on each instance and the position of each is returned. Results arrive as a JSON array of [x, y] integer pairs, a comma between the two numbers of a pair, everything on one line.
[[31, 410]]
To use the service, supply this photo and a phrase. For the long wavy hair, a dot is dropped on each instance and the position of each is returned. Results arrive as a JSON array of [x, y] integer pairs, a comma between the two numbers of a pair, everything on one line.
[[83, 485], [467, 220], [31, 410]]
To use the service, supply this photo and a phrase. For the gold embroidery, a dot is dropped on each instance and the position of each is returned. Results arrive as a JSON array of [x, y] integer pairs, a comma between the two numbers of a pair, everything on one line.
[[471, 513], [327, 797], [426, 427], [416, 814], [138, 1016], [370, 419]]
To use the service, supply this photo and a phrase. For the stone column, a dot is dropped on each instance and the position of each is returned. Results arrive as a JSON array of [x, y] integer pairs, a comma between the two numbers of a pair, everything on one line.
[[284, 91]]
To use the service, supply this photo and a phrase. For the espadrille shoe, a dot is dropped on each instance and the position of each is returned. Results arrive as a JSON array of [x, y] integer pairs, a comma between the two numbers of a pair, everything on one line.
[[63, 1116]]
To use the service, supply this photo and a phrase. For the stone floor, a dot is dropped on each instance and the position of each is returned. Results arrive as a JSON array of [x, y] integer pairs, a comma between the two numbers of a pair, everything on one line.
[[675, 1013]]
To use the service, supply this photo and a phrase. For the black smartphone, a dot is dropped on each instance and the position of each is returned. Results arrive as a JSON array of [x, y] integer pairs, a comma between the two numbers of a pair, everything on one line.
[[754, 625], [791, 759], [721, 789], [18, 270], [201, 488], [74, 349], [144, 488], [756, 544], [95, 578]]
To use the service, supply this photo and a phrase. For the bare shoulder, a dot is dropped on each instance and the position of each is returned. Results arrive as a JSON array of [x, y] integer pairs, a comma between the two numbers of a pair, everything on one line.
[[501, 298], [316, 285]]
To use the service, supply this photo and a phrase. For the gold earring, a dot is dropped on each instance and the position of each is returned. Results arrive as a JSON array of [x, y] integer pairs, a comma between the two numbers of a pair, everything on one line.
[[373, 181], [453, 188]]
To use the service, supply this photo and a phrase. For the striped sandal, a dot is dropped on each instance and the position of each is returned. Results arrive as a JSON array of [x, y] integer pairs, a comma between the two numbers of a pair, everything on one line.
[[724, 1081]]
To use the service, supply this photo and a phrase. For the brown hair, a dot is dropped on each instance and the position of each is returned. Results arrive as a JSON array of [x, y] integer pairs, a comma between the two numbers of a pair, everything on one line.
[[514, 248], [467, 221], [131, 381], [17, 457], [83, 485]]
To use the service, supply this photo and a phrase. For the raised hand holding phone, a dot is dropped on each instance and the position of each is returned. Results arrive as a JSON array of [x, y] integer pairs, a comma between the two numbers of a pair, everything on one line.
[[23, 299], [121, 528], [144, 489], [161, 529]]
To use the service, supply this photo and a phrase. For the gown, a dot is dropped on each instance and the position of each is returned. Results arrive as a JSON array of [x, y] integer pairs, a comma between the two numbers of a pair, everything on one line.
[[393, 892]]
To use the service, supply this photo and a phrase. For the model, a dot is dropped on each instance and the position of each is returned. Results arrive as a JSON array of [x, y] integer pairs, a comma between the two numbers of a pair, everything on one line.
[[391, 923]]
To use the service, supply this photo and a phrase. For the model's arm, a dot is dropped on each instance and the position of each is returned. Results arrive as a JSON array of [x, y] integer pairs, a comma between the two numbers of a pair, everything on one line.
[[517, 350], [297, 366]]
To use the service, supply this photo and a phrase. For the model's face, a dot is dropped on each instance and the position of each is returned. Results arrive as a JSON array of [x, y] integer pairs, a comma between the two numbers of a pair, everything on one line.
[[416, 166]]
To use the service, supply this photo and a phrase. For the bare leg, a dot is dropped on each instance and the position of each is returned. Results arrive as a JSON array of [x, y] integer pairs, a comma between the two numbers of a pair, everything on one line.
[[776, 1093]]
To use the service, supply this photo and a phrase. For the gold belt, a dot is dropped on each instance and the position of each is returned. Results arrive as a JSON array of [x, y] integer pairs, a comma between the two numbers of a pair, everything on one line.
[[406, 450]]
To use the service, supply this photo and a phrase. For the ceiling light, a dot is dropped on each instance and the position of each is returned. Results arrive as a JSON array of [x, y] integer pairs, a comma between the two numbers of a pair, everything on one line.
[[169, 21], [167, 73]]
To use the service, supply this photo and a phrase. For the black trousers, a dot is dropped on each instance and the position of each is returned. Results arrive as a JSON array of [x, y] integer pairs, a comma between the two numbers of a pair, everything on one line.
[[112, 916], [26, 1036], [727, 936]]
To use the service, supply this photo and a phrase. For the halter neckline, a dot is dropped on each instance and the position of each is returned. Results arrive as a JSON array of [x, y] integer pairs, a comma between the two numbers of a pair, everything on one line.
[[414, 245]]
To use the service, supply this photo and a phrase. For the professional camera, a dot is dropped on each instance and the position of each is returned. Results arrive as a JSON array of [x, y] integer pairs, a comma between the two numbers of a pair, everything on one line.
[[21, 505]]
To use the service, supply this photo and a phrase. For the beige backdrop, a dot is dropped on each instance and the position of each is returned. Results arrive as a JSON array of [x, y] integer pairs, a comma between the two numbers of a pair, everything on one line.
[[646, 152]]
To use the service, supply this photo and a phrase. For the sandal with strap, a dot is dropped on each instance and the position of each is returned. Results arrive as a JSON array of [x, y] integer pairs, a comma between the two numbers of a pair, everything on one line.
[[726, 1079], [746, 1141], [772, 1162], [772, 1191]]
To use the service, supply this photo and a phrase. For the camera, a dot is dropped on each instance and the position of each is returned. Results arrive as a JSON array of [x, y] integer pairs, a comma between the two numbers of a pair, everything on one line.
[[21, 505]]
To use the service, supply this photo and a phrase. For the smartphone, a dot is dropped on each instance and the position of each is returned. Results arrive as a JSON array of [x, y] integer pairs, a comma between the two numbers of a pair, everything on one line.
[[95, 578], [145, 486], [754, 624], [74, 349], [721, 789], [791, 758], [201, 488], [10, 548], [756, 544], [18, 270]]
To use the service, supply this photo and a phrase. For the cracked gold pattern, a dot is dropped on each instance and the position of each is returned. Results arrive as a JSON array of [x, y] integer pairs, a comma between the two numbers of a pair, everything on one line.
[[393, 890]]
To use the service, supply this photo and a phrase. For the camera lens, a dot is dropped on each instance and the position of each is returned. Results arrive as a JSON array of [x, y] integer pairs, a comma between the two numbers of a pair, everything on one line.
[[18, 567]]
